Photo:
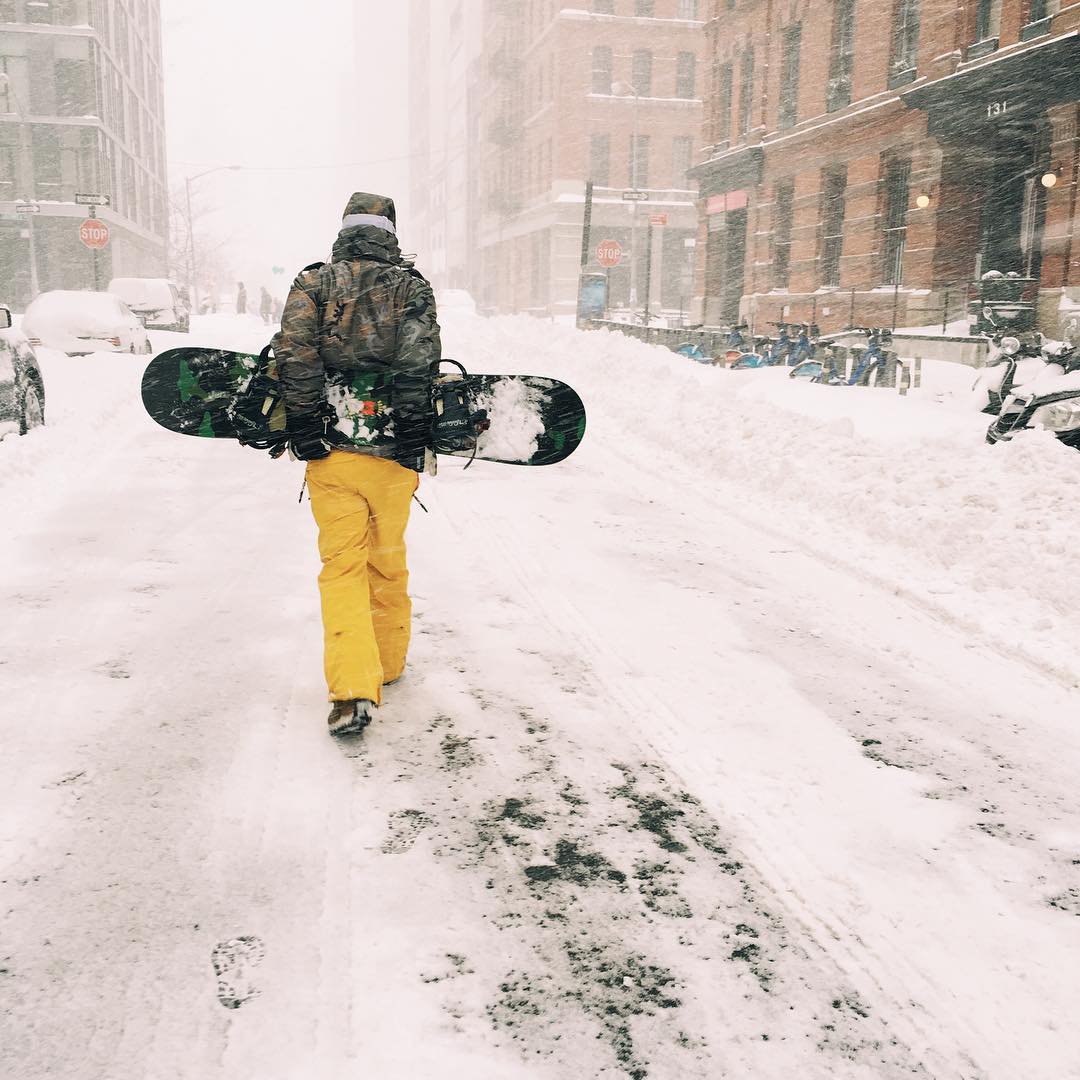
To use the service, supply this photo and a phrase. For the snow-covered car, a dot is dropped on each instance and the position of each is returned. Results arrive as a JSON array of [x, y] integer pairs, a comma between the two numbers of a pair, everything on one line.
[[457, 300], [84, 322], [22, 389], [157, 301]]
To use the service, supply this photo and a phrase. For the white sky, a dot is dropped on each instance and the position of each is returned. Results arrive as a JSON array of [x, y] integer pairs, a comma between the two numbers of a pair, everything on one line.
[[283, 90]]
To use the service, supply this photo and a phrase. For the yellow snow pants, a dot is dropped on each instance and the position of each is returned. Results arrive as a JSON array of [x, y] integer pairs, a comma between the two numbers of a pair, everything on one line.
[[361, 506]]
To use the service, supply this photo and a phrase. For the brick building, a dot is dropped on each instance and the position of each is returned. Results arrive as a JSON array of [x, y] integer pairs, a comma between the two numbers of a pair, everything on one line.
[[558, 96], [865, 160], [81, 111]]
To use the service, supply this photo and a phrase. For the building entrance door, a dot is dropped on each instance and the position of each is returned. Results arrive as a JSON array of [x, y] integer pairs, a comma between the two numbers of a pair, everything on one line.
[[1013, 205], [733, 281]]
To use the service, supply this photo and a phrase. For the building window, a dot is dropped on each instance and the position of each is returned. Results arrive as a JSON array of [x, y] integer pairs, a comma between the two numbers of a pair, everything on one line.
[[842, 55], [905, 42], [48, 166], [600, 159], [897, 193], [687, 9], [643, 8], [789, 77], [724, 77], [833, 191], [603, 7], [1038, 20], [642, 72], [7, 10], [685, 65], [783, 216], [639, 161], [681, 151], [746, 92], [7, 171], [601, 70], [987, 19], [7, 91], [74, 88]]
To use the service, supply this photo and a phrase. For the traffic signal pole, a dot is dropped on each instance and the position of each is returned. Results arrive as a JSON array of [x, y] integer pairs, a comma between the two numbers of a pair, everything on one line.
[[586, 233], [648, 276], [94, 256]]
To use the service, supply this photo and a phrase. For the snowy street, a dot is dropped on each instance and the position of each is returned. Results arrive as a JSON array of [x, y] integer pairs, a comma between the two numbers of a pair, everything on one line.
[[742, 744]]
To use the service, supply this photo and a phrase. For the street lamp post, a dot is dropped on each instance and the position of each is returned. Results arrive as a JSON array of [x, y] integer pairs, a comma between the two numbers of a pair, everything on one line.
[[625, 89], [24, 148], [188, 180]]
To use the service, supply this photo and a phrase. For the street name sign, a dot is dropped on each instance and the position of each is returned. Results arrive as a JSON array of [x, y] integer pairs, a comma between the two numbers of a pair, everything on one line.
[[28, 209]]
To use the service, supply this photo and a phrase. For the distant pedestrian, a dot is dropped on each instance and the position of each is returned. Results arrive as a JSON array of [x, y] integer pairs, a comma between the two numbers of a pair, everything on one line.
[[241, 299], [279, 307], [266, 304]]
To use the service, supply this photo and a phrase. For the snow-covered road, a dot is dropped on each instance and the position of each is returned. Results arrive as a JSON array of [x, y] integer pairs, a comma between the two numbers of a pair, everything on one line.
[[722, 752]]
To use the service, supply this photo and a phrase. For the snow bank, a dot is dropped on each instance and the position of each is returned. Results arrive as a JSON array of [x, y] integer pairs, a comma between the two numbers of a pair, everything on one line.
[[901, 489]]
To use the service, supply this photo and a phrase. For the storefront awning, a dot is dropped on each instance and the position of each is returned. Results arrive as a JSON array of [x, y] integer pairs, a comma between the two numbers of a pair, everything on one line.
[[731, 171], [1012, 90]]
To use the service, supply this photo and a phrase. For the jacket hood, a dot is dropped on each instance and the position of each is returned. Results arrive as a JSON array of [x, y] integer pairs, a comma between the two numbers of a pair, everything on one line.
[[366, 242], [363, 208]]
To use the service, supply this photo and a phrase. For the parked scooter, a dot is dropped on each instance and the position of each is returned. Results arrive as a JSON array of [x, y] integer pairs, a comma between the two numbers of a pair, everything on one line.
[[1014, 361], [1050, 400]]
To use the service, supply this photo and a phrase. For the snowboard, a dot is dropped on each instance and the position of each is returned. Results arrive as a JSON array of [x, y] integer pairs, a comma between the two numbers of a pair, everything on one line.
[[219, 394]]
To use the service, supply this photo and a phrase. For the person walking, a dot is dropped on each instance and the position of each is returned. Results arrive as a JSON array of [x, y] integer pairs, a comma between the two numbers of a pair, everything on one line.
[[266, 304], [241, 299], [367, 314]]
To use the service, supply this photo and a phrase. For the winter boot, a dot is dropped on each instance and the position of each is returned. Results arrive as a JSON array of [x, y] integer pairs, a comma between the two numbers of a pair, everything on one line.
[[350, 717]]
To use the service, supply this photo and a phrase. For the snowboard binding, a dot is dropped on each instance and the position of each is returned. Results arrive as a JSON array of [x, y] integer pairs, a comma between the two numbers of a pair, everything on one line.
[[458, 423]]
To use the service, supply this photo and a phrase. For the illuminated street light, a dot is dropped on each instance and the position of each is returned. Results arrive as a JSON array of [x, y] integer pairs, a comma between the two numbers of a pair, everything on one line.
[[922, 201], [1050, 178]]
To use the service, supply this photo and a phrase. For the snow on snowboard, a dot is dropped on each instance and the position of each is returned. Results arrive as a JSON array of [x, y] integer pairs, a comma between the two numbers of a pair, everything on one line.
[[218, 394]]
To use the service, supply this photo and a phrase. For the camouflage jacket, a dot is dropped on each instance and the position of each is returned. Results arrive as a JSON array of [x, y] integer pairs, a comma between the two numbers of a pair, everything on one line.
[[367, 311]]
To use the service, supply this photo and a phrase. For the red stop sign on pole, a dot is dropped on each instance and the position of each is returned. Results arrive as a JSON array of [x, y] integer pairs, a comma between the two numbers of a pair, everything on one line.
[[94, 233], [609, 253]]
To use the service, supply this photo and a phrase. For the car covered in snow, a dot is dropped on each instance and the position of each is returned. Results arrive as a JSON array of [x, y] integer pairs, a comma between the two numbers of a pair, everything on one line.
[[22, 389], [456, 300], [158, 302], [84, 322]]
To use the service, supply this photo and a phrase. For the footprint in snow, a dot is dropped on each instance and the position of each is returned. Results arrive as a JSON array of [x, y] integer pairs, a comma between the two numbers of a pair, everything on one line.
[[234, 961], [404, 828]]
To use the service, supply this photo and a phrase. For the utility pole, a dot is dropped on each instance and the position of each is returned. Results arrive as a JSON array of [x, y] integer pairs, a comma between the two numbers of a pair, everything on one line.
[[633, 207], [94, 256], [648, 277], [34, 286]]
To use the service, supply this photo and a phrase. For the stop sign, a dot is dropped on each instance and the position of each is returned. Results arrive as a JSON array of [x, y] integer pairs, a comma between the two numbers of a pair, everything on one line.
[[609, 252], [94, 233]]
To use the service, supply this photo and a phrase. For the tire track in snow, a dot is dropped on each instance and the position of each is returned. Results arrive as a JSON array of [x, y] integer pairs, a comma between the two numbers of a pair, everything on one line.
[[568, 618], [887, 972], [594, 843]]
